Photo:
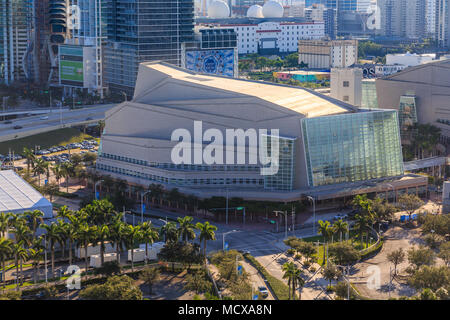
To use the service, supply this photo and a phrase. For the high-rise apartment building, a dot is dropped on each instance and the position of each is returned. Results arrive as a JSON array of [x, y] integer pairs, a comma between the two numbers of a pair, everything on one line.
[[442, 32], [144, 30], [402, 18]]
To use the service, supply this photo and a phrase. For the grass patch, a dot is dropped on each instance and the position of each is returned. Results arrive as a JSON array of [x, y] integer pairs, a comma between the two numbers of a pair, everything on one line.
[[45, 140], [278, 287]]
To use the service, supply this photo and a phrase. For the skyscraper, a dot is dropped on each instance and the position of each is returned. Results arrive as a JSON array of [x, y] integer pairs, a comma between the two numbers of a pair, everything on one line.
[[402, 18], [144, 30], [442, 34], [15, 32]]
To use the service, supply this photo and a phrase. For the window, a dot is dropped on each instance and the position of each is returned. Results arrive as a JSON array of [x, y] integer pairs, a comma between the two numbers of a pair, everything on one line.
[[346, 84], [345, 98]]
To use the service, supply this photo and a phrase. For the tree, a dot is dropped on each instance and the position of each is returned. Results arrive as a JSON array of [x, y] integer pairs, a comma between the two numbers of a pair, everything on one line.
[[207, 232], [342, 289], [84, 238], [297, 280], [444, 253], [150, 275], [58, 172], [67, 171], [109, 268], [149, 235], [186, 228], [409, 203], [340, 227], [199, 282], [430, 277], [325, 230], [20, 254], [102, 234], [361, 225], [50, 189], [131, 234], [35, 255], [331, 272], [343, 253], [117, 235], [396, 257], [101, 126], [169, 232], [115, 288], [29, 156], [289, 272], [4, 222], [34, 217], [40, 167], [53, 236], [421, 257], [6, 248]]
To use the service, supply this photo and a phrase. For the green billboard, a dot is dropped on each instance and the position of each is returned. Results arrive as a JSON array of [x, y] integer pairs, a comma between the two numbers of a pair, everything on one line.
[[71, 65]]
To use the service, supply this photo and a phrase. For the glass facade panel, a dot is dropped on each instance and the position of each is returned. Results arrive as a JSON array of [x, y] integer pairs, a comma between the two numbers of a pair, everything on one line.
[[407, 115], [352, 147], [369, 99], [283, 179]]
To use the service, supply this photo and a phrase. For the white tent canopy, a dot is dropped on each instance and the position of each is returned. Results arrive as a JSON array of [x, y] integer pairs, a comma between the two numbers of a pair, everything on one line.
[[17, 196]]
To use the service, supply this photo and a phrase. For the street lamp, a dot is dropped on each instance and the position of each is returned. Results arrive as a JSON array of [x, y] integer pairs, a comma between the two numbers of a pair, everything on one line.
[[393, 190], [95, 188], [314, 213], [285, 221], [223, 238], [142, 204]]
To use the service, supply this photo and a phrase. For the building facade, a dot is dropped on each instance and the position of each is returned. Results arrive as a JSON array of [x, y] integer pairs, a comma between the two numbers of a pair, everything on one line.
[[346, 84], [144, 30], [269, 36], [328, 54], [326, 148]]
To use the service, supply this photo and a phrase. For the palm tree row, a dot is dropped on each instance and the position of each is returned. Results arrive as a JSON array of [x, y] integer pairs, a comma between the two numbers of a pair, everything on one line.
[[95, 224]]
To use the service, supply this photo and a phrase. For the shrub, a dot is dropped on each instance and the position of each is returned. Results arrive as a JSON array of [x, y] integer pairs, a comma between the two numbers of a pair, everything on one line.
[[115, 288]]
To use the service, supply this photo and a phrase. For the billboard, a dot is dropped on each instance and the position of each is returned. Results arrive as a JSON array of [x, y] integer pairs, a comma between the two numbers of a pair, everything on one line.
[[219, 62], [71, 65]]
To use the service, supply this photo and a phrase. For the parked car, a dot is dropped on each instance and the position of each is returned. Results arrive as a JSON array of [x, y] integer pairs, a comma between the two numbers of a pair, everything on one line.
[[340, 216], [17, 127], [264, 292], [44, 118]]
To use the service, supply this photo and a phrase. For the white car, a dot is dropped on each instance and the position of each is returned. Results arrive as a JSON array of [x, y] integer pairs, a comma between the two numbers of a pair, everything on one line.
[[44, 118], [340, 216]]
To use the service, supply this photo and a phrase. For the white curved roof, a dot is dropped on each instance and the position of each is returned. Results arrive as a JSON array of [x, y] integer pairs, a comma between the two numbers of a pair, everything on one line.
[[273, 9], [16, 195], [218, 9], [255, 11]]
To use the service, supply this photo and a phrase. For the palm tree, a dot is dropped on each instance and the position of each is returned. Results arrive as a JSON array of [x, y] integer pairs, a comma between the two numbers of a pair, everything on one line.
[[30, 156], [5, 252], [297, 280], [20, 254], [21, 232], [4, 223], [132, 234], [34, 217], [207, 232], [58, 172], [53, 236], [156, 190], [149, 235], [67, 171], [101, 126], [64, 212], [40, 167], [361, 225], [186, 228], [288, 273], [35, 256], [71, 234], [102, 234], [340, 227], [62, 226], [325, 230], [84, 238], [117, 235]]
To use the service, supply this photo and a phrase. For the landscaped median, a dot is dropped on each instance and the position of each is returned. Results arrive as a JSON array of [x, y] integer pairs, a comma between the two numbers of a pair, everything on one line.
[[278, 287]]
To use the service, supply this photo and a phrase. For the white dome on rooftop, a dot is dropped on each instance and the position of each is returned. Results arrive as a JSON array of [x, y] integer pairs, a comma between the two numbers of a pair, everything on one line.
[[255, 11], [218, 9], [273, 9]]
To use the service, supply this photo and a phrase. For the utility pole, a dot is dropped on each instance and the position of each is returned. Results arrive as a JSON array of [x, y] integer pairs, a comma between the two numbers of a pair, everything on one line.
[[226, 210]]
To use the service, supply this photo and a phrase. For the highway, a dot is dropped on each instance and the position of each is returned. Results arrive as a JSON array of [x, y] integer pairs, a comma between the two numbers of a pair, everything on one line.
[[56, 119]]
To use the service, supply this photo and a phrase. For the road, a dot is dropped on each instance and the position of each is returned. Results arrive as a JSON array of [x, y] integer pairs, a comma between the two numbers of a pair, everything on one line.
[[56, 119]]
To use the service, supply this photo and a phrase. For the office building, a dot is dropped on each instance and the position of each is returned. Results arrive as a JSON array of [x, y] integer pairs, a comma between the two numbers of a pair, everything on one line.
[[143, 30], [328, 54], [327, 149], [402, 18], [15, 32], [442, 32], [409, 59]]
